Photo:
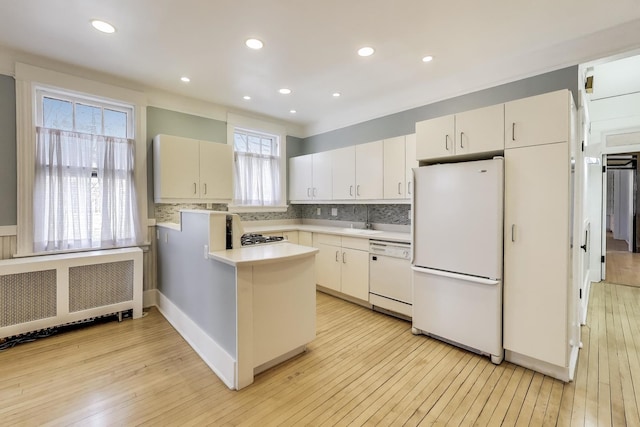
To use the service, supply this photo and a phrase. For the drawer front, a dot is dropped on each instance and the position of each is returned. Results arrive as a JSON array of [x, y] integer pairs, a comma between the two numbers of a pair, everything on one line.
[[328, 239], [355, 243]]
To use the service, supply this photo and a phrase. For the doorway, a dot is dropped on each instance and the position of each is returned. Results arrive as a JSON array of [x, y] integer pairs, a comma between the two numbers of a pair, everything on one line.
[[621, 219]]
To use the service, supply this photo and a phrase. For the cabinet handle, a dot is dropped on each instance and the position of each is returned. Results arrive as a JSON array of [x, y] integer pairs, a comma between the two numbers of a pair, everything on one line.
[[309, 192], [205, 188], [337, 252], [461, 135], [446, 142], [513, 232], [399, 188], [195, 188], [358, 190], [409, 188], [513, 131], [344, 259], [351, 190], [315, 191]]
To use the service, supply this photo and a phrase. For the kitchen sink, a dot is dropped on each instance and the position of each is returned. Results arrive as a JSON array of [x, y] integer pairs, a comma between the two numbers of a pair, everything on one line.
[[360, 231]]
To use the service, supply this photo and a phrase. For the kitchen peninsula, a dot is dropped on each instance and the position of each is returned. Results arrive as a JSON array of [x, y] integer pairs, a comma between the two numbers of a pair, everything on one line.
[[242, 310]]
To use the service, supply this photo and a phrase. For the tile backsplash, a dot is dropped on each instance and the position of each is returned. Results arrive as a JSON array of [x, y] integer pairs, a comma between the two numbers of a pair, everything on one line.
[[397, 214]]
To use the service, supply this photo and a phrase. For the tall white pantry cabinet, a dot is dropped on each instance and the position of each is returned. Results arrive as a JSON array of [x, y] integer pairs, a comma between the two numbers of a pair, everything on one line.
[[541, 327]]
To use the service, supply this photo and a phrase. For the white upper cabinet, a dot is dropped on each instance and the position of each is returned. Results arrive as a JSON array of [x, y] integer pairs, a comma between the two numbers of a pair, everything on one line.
[[435, 138], [216, 171], [190, 170], [343, 161], [310, 177], [322, 176], [394, 168], [300, 178], [410, 163], [542, 119], [369, 168], [480, 131], [465, 134]]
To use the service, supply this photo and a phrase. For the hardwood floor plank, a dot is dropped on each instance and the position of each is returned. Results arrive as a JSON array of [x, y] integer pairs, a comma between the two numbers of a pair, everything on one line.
[[364, 368]]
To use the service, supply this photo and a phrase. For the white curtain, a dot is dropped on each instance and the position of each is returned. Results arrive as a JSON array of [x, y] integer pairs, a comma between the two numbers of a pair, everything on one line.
[[257, 179], [84, 192]]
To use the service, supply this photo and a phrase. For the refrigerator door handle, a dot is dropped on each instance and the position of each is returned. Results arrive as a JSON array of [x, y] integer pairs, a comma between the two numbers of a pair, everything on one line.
[[474, 279]]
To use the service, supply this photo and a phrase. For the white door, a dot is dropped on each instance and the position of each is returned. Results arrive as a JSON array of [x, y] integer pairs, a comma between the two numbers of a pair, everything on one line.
[[394, 168], [458, 217], [369, 169], [322, 179], [300, 178], [343, 163]]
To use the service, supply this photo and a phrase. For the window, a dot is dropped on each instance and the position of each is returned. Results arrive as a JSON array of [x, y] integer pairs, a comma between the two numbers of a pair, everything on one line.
[[257, 158], [84, 191]]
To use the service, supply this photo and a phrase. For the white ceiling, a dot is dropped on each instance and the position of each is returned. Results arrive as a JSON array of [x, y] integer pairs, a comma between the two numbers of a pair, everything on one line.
[[311, 47]]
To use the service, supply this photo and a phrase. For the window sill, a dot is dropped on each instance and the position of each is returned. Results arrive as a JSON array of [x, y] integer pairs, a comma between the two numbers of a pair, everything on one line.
[[250, 209]]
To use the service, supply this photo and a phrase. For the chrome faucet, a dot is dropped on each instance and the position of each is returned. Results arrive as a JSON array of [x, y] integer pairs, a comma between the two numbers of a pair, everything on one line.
[[367, 225]]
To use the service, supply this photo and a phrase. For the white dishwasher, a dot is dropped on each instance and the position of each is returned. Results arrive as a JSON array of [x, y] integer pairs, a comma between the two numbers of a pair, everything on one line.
[[390, 277]]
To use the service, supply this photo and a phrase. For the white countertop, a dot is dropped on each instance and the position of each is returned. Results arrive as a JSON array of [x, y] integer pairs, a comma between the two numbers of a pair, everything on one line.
[[262, 254]]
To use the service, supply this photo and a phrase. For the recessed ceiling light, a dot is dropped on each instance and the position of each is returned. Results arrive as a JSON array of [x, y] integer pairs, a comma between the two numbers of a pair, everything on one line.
[[427, 58], [105, 27], [292, 111], [185, 79], [366, 51], [285, 91], [336, 94], [246, 97], [254, 44]]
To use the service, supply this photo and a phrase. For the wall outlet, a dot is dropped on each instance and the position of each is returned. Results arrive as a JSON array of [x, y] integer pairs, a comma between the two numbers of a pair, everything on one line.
[[319, 211], [206, 251], [334, 211]]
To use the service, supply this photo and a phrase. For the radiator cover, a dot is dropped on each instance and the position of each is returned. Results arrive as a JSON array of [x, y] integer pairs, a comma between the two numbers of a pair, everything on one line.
[[46, 291]]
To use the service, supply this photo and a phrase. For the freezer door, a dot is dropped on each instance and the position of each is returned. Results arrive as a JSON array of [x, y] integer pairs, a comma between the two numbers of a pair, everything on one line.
[[458, 210]]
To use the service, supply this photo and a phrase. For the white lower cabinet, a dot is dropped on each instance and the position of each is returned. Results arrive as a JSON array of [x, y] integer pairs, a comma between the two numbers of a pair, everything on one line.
[[343, 264], [305, 238]]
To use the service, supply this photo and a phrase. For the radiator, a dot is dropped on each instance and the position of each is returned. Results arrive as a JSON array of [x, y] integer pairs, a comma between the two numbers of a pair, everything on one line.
[[52, 290]]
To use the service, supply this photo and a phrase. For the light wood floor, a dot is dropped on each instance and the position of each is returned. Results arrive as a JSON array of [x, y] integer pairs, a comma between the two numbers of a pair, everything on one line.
[[622, 266], [364, 368]]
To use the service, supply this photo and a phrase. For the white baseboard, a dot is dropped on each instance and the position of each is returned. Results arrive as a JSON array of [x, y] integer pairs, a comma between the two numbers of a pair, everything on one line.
[[220, 362], [150, 298]]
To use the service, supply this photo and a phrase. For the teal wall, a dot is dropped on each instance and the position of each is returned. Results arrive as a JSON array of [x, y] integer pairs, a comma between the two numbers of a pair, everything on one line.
[[8, 170], [403, 123]]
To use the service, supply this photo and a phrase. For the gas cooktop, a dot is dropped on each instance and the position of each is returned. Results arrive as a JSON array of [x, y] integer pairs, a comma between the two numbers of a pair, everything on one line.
[[256, 239]]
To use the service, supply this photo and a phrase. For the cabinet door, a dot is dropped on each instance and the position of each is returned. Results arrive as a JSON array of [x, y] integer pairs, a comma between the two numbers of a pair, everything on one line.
[[291, 236], [305, 238], [322, 179], [536, 251], [542, 119], [435, 138], [343, 161], [216, 171], [355, 273], [369, 170], [176, 168], [410, 163], [328, 260], [300, 178], [480, 130], [394, 168]]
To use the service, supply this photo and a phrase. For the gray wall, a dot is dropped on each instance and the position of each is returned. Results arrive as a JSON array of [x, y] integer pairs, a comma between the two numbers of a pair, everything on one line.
[[403, 123], [8, 174]]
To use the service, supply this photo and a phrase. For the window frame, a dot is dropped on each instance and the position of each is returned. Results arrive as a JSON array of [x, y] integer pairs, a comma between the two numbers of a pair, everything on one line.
[[259, 127], [28, 80]]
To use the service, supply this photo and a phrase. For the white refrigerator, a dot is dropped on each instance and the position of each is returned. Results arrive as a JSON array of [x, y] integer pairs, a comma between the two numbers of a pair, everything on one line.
[[457, 254]]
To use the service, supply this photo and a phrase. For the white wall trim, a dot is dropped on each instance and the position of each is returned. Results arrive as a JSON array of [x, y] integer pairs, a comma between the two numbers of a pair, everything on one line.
[[220, 362], [8, 230]]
